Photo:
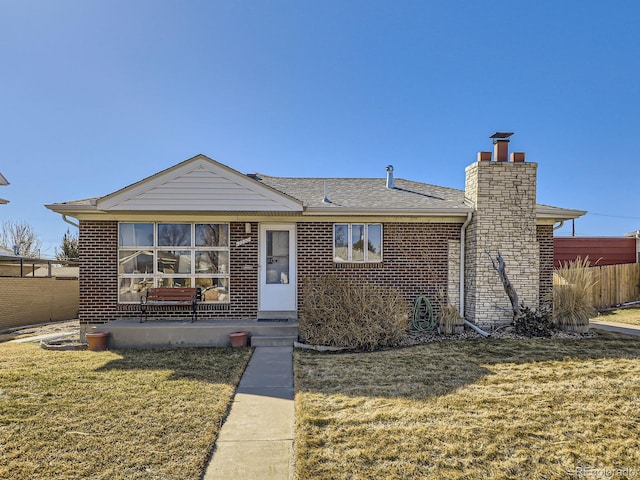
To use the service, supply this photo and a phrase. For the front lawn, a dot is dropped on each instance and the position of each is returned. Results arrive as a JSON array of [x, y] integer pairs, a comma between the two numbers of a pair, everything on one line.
[[544, 408], [621, 315], [148, 414]]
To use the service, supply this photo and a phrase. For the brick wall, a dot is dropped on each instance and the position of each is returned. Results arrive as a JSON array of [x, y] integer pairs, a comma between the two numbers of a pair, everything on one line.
[[98, 245], [415, 258], [544, 235], [419, 259], [504, 196], [27, 301]]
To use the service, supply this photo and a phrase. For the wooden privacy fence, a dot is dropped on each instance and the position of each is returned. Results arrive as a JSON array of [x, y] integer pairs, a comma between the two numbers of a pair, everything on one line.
[[612, 284]]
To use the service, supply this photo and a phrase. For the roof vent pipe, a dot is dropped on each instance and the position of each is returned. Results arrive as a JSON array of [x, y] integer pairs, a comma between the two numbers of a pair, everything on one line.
[[390, 176]]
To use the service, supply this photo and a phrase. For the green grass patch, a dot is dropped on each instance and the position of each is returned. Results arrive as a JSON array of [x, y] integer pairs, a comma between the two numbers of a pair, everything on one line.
[[630, 316], [112, 415], [543, 408]]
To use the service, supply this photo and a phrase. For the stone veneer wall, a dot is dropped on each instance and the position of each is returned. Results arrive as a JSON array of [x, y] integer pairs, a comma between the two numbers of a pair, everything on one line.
[[504, 196], [98, 246], [415, 258]]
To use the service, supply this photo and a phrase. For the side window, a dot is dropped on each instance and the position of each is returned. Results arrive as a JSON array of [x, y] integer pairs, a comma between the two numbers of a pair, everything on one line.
[[357, 242]]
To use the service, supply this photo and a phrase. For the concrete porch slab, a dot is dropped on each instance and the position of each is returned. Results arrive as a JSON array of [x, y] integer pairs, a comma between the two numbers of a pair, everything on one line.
[[130, 333]]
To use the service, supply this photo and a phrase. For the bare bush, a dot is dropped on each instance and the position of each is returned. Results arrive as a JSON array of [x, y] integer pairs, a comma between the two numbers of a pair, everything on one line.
[[344, 313]]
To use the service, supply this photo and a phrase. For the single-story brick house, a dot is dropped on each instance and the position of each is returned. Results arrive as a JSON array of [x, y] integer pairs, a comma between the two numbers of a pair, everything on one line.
[[249, 241]]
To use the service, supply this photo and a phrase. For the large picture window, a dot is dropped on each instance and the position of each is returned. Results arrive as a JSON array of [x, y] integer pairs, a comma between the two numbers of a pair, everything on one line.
[[357, 242], [173, 255]]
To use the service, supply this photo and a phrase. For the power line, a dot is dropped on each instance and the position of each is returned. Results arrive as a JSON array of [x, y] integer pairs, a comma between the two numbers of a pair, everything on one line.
[[612, 216]]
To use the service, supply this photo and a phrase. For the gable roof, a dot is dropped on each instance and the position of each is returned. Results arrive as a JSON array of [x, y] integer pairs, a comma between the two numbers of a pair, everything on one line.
[[203, 185], [198, 184]]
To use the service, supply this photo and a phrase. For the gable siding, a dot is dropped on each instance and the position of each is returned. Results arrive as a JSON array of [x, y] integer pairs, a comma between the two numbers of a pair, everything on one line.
[[415, 258], [199, 187]]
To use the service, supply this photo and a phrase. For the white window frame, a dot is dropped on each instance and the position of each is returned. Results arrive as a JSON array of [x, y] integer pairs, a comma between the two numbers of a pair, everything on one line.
[[350, 243], [157, 276]]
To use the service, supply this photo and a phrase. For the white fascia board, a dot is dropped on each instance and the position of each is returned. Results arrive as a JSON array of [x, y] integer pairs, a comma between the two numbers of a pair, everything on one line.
[[545, 212], [407, 212]]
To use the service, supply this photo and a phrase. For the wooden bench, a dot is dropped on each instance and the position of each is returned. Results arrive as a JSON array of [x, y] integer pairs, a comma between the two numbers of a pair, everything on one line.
[[164, 296]]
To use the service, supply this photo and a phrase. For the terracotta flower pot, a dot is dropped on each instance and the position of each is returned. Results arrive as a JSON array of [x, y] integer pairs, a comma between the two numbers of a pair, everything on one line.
[[239, 339], [97, 341]]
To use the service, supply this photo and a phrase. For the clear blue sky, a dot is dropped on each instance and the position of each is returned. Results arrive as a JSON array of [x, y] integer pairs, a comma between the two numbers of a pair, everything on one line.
[[95, 95]]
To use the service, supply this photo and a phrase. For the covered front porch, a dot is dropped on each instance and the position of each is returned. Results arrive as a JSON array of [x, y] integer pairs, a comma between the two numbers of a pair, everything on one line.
[[130, 333]]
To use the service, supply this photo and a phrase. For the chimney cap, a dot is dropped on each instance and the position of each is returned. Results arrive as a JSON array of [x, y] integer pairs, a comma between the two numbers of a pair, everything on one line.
[[501, 135]]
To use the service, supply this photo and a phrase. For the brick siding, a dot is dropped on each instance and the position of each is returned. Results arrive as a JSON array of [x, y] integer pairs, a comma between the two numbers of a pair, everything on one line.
[[415, 258], [544, 235], [98, 245], [27, 301]]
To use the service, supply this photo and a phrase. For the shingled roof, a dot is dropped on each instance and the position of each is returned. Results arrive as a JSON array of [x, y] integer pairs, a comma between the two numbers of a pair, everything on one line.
[[367, 194]]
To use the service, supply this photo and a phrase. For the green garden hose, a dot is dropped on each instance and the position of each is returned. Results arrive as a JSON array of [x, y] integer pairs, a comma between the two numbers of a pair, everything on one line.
[[423, 319]]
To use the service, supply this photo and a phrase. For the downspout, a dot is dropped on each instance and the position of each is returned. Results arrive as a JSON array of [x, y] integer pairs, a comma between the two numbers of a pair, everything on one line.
[[556, 227], [463, 237], [64, 217]]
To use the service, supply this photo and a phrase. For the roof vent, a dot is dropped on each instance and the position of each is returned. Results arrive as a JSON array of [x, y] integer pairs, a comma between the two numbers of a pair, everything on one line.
[[390, 176], [325, 199]]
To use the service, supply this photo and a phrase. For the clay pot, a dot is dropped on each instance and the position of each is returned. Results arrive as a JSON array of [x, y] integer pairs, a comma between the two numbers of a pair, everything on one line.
[[239, 339], [97, 341]]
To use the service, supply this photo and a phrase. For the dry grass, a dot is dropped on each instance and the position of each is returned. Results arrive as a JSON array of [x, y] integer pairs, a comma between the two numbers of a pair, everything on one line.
[[621, 315], [477, 409], [151, 414]]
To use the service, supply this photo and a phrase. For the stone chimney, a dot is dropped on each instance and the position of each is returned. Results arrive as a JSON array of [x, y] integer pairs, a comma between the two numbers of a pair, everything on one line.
[[503, 194]]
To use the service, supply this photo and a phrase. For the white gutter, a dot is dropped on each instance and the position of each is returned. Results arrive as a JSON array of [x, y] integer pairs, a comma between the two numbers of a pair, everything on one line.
[[556, 227], [463, 237], [64, 217]]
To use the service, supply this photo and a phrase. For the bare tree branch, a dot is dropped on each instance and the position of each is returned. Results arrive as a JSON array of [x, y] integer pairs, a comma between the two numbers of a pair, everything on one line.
[[506, 283], [22, 236]]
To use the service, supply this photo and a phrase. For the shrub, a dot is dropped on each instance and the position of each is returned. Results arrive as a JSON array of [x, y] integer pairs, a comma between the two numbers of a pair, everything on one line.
[[572, 306], [358, 315], [533, 323], [449, 319]]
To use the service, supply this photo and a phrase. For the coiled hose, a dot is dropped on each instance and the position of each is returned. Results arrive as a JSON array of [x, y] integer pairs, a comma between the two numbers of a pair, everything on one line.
[[423, 319]]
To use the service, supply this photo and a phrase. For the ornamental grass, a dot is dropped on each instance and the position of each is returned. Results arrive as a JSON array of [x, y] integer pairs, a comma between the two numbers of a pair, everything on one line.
[[572, 305]]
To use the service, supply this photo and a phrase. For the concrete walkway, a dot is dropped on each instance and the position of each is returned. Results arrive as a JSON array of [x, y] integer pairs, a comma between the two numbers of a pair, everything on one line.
[[615, 327], [45, 337], [256, 440]]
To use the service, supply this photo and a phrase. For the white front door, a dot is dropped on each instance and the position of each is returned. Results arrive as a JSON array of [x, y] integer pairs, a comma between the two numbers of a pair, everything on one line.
[[277, 268]]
